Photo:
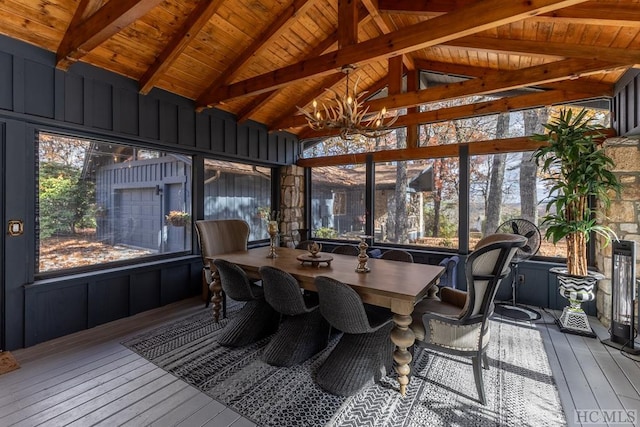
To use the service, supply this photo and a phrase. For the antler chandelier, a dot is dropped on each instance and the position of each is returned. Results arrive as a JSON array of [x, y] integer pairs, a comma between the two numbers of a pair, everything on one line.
[[348, 114]]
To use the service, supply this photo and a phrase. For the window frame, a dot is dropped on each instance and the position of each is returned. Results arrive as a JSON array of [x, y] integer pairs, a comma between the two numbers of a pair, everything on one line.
[[118, 264], [463, 228], [274, 188]]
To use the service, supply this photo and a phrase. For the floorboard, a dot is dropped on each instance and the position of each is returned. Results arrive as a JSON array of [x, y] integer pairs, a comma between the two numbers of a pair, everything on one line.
[[89, 378], [190, 405], [546, 322], [82, 389]]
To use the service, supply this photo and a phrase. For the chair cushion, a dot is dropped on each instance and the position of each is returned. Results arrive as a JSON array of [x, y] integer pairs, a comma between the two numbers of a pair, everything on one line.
[[431, 305], [435, 305], [453, 297]]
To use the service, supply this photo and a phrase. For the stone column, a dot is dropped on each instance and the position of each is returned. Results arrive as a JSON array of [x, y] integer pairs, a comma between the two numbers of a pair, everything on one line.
[[292, 197], [623, 216]]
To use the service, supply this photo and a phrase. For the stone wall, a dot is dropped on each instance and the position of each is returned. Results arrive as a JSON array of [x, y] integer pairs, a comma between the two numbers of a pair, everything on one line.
[[291, 200], [623, 216]]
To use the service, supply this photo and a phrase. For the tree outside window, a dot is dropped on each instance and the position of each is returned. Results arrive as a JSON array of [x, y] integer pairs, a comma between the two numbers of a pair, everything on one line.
[[100, 202]]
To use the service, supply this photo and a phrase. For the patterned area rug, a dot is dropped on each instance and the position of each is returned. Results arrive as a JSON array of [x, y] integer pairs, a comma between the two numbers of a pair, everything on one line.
[[519, 385]]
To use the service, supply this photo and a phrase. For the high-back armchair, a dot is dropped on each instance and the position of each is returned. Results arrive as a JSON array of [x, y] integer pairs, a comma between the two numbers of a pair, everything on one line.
[[216, 237], [458, 322]]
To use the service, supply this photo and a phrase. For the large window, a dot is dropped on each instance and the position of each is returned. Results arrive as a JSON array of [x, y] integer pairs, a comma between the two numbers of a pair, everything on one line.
[[504, 187], [101, 202], [507, 186], [236, 190], [416, 203], [338, 202]]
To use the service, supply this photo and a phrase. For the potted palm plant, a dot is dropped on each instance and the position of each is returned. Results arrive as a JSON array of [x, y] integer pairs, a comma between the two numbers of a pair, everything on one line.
[[578, 172]]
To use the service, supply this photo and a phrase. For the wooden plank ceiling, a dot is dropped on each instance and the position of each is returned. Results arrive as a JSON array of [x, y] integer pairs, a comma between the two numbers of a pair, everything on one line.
[[259, 59]]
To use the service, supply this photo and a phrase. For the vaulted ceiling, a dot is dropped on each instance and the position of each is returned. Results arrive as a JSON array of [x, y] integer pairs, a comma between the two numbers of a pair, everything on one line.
[[259, 59]]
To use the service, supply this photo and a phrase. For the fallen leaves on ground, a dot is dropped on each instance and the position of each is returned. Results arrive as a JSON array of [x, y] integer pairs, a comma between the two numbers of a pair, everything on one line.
[[58, 253]]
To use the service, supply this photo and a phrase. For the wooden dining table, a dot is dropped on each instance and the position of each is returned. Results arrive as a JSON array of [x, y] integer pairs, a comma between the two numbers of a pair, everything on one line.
[[395, 285]]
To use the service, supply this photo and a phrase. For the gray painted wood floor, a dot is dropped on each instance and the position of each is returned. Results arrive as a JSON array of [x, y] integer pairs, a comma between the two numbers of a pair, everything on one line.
[[88, 378]]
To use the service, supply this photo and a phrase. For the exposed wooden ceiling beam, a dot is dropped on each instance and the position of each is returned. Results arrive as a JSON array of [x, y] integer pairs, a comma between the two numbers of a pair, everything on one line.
[[507, 145], [578, 85], [107, 21], [437, 151], [347, 23], [85, 9], [196, 20], [499, 82], [462, 22], [277, 26], [591, 13], [422, 6], [495, 106], [385, 27], [502, 105], [304, 100], [491, 83], [413, 84], [529, 47], [330, 42], [261, 100]]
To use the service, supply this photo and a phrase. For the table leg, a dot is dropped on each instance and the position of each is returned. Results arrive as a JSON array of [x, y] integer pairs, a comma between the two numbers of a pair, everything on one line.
[[403, 337], [216, 290]]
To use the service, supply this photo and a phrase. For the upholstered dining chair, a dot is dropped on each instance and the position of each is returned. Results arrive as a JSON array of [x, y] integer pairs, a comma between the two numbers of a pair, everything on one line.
[[458, 322], [364, 353], [216, 237], [397, 255], [346, 250], [303, 331], [256, 319]]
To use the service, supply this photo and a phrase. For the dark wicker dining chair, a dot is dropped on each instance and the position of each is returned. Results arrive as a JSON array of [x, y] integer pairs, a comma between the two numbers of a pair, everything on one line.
[[346, 250], [303, 331], [304, 244], [365, 351], [256, 319], [397, 255]]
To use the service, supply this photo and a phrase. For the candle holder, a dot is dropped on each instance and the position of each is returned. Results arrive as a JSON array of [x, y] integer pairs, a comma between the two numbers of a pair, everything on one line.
[[272, 229], [362, 256]]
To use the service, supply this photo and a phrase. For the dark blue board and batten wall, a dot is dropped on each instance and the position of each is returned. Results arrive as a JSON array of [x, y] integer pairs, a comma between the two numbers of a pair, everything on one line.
[[90, 102]]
